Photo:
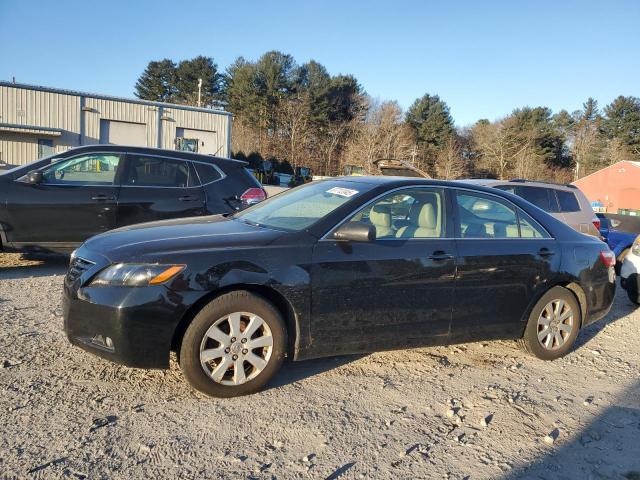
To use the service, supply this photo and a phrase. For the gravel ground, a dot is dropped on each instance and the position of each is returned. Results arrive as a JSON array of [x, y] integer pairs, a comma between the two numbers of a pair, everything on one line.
[[482, 410]]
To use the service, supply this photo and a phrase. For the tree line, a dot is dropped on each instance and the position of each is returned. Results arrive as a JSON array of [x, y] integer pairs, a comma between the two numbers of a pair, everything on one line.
[[300, 115]]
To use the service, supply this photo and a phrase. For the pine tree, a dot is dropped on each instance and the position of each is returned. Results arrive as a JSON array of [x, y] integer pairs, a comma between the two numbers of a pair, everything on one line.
[[157, 82], [431, 120], [187, 75]]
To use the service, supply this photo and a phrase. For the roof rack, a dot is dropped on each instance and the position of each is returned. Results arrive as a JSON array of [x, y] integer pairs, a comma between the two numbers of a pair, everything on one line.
[[523, 180]]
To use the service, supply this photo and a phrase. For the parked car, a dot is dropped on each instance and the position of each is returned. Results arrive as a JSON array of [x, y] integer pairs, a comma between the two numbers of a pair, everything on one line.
[[399, 168], [565, 202], [58, 202], [355, 264], [619, 241], [630, 272]]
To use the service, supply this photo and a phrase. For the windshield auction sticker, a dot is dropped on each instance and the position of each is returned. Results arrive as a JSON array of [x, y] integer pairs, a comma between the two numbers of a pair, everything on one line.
[[343, 192]]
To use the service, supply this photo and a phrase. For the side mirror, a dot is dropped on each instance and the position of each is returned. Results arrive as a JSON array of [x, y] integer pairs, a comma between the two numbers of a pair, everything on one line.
[[34, 177], [355, 232]]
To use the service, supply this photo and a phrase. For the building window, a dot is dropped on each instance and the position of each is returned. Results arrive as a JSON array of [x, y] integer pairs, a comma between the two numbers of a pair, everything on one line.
[[45, 147]]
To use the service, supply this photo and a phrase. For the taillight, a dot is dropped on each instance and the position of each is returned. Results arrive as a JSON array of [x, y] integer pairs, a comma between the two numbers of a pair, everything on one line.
[[253, 196], [608, 258], [596, 223]]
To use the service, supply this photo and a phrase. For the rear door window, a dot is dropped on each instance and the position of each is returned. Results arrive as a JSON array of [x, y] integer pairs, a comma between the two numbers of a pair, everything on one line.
[[543, 198], [150, 171], [480, 216], [568, 201]]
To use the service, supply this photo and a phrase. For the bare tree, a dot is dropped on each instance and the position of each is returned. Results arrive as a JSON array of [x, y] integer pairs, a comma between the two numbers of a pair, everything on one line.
[[450, 163], [502, 148], [294, 123]]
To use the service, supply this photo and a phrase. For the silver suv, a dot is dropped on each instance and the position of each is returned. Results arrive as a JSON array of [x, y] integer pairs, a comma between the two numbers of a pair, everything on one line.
[[565, 202]]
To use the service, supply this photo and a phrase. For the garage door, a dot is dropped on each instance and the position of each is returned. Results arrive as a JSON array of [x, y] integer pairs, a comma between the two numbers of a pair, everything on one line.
[[123, 133], [207, 140]]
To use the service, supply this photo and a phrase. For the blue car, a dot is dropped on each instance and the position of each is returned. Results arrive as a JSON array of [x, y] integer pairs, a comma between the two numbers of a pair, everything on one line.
[[619, 233]]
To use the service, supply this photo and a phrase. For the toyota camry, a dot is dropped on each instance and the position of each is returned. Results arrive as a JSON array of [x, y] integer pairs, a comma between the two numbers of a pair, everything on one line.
[[339, 266]]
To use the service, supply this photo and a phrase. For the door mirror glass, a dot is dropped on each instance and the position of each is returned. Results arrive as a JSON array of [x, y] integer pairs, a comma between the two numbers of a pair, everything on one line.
[[355, 232], [34, 177]]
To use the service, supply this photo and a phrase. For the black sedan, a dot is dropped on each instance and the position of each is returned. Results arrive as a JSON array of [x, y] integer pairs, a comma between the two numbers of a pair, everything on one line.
[[335, 267], [56, 203]]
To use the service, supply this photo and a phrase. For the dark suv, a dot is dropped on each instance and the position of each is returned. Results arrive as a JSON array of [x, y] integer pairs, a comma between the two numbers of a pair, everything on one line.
[[58, 202]]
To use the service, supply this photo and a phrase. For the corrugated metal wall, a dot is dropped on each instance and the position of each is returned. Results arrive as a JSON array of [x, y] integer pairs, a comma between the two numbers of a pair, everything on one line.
[[36, 107]]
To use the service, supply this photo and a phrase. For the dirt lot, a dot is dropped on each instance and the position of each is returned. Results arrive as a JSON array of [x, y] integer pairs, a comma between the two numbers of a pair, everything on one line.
[[474, 411]]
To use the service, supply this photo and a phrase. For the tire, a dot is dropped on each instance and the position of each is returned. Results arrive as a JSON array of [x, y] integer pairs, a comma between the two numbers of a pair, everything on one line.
[[619, 260], [228, 369], [543, 319], [631, 287]]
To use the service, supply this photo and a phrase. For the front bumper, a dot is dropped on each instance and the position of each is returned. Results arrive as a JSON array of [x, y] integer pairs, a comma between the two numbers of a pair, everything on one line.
[[130, 326], [630, 275]]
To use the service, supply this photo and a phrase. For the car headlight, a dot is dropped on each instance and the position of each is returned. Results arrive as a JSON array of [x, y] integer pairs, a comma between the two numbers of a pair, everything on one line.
[[135, 275], [635, 248]]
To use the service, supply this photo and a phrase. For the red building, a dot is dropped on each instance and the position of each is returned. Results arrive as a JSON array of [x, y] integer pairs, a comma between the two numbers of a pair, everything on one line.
[[617, 187]]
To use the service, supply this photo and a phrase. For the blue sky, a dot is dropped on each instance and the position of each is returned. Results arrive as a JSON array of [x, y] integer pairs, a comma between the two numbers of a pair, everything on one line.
[[484, 58]]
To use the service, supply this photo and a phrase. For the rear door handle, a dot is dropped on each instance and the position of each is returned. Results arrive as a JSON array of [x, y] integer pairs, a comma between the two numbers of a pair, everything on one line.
[[187, 198], [440, 255], [102, 198], [545, 252]]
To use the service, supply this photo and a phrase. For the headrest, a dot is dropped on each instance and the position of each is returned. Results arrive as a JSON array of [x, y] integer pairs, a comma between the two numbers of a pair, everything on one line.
[[380, 215], [427, 216]]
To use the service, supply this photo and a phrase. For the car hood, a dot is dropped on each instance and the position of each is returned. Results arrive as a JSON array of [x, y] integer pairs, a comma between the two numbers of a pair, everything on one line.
[[177, 236]]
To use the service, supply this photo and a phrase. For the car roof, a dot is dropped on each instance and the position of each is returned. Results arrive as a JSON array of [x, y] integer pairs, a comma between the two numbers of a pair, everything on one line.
[[200, 157], [491, 182], [391, 182]]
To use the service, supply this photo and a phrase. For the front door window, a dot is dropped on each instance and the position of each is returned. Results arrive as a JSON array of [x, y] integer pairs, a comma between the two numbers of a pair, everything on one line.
[[94, 169]]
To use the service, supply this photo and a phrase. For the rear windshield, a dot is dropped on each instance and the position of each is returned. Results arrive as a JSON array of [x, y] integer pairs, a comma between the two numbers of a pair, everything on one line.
[[301, 207]]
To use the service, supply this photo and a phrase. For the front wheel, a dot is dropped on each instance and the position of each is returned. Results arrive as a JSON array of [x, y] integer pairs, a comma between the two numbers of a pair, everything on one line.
[[553, 324], [634, 296], [234, 345]]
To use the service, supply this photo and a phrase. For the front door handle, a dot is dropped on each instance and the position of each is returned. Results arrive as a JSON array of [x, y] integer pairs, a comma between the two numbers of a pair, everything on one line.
[[439, 255], [188, 198], [545, 252], [102, 198]]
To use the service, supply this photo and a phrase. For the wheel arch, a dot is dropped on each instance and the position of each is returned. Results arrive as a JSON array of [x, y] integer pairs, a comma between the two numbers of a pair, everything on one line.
[[276, 298], [570, 285]]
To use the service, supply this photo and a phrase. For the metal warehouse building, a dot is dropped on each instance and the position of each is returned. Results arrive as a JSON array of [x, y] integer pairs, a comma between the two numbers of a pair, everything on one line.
[[39, 121]]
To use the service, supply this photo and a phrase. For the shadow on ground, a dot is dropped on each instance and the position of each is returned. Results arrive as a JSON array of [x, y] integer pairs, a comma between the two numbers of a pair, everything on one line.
[[15, 265], [292, 372], [608, 446]]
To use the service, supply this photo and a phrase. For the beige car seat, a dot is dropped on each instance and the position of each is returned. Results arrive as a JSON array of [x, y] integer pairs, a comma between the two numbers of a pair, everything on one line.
[[380, 217], [424, 221]]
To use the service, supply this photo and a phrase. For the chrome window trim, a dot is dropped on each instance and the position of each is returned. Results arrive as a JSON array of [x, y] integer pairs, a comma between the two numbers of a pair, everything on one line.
[[450, 188], [121, 185], [351, 214]]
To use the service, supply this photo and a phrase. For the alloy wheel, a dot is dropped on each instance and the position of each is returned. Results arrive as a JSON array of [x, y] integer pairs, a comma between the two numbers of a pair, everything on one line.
[[236, 348], [555, 324]]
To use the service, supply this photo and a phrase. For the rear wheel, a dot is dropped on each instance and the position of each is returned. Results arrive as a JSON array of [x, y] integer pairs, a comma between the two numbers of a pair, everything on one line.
[[234, 345], [553, 324]]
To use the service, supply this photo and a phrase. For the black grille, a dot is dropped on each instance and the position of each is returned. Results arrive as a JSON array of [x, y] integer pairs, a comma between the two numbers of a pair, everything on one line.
[[77, 267]]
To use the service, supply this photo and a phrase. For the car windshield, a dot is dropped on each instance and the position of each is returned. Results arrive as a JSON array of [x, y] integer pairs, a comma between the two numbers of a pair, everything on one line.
[[301, 207]]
